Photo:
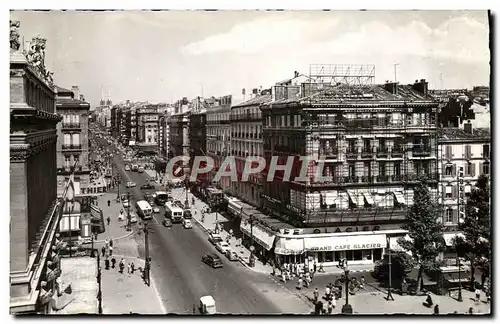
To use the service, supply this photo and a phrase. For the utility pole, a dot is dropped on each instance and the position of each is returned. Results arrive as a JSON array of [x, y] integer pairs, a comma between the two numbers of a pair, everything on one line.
[[147, 265], [389, 291]]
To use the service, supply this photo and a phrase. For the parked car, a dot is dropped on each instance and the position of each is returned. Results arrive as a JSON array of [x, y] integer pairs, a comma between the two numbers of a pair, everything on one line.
[[147, 186], [156, 209], [231, 255], [126, 203], [127, 168], [131, 184], [167, 222], [133, 217], [212, 260], [222, 247], [186, 223], [187, 214], [214, 238], [140, 169]]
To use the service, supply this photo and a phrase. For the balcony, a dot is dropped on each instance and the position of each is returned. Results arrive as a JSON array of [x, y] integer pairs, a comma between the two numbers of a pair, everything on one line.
[[246, 117], [352, 153], [421, 152], [397, 177], [382, 178], [71, 147], [366, 153], [382, 151], [71, 126], [331, 153], [368, 178], [351, 179], [335, 216], [397, 152]]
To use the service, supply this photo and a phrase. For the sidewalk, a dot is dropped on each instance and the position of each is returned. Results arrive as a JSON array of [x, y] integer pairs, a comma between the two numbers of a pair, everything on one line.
[[244, 253], [116, 230], [127, 293]]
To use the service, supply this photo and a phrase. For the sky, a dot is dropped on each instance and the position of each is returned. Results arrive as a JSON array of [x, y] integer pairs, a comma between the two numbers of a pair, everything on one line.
[[163, 56]]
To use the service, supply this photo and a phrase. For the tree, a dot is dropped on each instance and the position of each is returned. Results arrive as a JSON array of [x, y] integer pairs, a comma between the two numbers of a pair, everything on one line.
[[401, 264], [475, 246], [425, 232]]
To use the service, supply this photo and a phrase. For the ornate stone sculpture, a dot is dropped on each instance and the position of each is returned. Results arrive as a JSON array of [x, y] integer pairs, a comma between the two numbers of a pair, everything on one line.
[[14, 35], [36, 58]]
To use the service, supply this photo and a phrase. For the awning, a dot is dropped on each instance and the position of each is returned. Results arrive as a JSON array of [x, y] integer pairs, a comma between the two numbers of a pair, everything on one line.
[[369, 198], [449, 237], [356, 197], [331, 198], [261, 236], [97, 218], [345, 242], [400, 198], [289, 246], [234, 207]]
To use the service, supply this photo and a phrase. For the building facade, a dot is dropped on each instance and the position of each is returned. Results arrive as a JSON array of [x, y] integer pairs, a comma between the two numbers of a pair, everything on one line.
[[179, 130], [34, 208], [147, 119], [218, 138], [197, 139], [72, 140], [366, 147], [246, 140], [465, 148]]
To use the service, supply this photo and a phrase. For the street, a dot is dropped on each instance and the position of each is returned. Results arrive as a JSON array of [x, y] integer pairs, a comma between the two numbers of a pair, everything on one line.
[[182, 278]]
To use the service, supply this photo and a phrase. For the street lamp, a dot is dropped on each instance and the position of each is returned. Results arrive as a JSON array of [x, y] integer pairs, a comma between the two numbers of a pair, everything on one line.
[[129, 225], [147, 264], [251, 261], [347, 308], [389, 291]]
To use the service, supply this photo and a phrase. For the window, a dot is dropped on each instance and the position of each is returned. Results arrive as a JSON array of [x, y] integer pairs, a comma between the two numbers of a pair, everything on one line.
[[381, 168], [76, 159], [368, 168], [448, 191], [486, 168], [449, 216], [448, 170], [352, 145], [448, 151], [67, 161], [352, 169], [366, 145], [381, 143], [486, 150], [397, 168]]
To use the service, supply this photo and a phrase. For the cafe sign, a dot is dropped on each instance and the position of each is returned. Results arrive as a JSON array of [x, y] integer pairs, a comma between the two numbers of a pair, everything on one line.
[[345, 243]]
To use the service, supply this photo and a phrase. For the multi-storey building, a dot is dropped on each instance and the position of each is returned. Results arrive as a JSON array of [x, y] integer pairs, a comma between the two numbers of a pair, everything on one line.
[[163, 135], [197, 134], [218, 138], [34, 209], [367, 146], [179, 130], [465, 148], [246, 140], [72, 140]]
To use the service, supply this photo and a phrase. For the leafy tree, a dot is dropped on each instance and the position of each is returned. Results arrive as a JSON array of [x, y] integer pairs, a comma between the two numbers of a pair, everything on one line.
[[425, 232], [401, 264], [476, 226]]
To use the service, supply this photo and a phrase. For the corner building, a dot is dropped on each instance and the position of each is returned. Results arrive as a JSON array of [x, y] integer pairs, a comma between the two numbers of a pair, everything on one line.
[[374, 142]]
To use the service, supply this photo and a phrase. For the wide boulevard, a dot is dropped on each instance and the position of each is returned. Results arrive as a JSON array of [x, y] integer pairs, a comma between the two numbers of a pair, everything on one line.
[[181, 278]]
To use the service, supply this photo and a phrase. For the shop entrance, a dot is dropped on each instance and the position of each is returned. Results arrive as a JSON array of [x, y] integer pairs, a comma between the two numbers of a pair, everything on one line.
[[351, 255]]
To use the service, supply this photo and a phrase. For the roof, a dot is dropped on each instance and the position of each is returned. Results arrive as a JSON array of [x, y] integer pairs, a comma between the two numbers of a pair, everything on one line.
[[70, 102], [453, 133], [63, 90], [369, 94], [254, 101]]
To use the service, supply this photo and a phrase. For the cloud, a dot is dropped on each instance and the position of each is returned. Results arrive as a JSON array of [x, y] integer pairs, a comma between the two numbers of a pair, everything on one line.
[[462, 39], [258, 36]]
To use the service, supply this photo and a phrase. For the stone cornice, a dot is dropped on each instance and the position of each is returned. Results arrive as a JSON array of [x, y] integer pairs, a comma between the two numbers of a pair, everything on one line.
[[22, 110], [23, 146]]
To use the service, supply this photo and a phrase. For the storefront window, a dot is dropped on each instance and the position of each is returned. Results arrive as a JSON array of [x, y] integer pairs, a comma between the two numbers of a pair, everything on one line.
[[349, 255], [357, 255], [328, 256], [339, 255], [321, 257], [377, 254], [367, 254]]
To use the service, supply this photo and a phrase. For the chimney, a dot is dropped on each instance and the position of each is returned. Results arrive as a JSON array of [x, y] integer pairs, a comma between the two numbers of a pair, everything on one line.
[[76, 92], [468, 128], [295, 74], [392, 87], [82, 98], [421, 86]]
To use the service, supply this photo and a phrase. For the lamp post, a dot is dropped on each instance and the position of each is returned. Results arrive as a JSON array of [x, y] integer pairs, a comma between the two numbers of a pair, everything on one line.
[[251, 262], [389, 291], [129, 228], [147, 264], [347, 308]]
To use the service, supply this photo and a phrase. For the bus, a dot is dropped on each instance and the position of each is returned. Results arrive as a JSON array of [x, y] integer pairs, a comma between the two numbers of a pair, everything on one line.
[[144, 209], [173, 212], [161, 198]]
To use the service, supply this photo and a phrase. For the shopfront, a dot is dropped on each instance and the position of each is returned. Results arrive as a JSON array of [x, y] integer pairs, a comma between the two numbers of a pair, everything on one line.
[[263, 240], [356, 248]]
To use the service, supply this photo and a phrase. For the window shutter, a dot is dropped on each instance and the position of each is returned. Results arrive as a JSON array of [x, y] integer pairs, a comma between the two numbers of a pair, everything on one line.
[[466, 168], [473, 169], [448, 151], [481, 168], [454, 170], [454, 192], [455, 216]]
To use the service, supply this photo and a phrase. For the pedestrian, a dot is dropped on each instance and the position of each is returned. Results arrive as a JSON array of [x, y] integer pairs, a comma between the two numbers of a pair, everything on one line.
[[428, 302], [113, 262], [122, 265], [111, 242], [106, 263], [362, 282], [283, 276], [109, 202], [478, 294], [436, 309], [314, 267], [110, 251], [327, 292], [128, 267], [300, 283], [471, 311], [132, 267], [108, 220], [330, 307], [103, 250], [316, 295]]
